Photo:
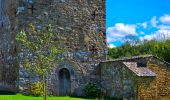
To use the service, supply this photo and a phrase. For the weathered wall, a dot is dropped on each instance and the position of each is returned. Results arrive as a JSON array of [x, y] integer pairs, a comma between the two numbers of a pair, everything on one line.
[[144, 88], [79, 25], [8, 49], [75, 78], [117, 80], [157, 88]]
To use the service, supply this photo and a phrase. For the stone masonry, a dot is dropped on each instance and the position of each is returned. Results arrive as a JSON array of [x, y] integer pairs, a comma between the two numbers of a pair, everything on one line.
[[136, 78], [8, 47], [80, 27]]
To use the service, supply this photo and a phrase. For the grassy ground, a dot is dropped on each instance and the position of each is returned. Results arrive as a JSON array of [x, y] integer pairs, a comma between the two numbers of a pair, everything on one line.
[[22, 97]]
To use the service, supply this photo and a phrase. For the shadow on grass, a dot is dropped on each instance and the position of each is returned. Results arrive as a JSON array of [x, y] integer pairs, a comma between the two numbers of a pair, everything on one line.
[[7, 93]]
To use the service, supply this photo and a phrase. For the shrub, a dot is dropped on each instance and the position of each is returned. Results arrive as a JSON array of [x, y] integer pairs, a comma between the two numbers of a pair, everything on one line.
[[91, 90], [37, 88]]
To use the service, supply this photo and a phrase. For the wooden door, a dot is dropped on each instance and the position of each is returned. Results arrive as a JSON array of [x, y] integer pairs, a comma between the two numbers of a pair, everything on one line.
[[65, 83]]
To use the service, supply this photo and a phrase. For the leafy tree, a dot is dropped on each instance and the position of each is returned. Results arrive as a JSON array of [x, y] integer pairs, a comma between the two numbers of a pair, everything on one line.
[[159, 49], [42, 50]]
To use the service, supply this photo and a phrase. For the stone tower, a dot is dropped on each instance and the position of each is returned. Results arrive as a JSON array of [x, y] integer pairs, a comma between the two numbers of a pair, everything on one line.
[[78, 23], [79, 26], [8, 48]]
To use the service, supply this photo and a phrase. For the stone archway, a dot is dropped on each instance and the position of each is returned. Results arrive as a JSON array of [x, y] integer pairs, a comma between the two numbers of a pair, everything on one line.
[[64, 82]]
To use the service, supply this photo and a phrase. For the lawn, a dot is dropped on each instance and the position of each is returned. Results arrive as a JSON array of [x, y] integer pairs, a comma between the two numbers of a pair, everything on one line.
[[22, 97]]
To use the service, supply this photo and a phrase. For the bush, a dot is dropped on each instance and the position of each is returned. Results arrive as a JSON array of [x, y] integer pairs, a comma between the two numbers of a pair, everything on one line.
[[91, 90], [37, 88]]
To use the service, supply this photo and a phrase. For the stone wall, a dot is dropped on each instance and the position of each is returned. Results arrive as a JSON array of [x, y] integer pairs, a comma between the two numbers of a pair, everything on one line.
[[8, 48], [77, 23], [79, 26], [140, 87], [117, 80], [75, 78], [79, 76], [157, 88]]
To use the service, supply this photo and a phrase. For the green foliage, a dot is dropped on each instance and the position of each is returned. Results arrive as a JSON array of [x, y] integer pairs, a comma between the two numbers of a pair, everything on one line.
[[41, 49], [42, 45], [160, 49], [37, 88], [91, 90]]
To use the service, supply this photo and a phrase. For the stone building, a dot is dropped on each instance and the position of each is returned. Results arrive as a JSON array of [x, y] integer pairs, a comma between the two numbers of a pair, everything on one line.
[[139, 78], [8, 48], [80, 27]]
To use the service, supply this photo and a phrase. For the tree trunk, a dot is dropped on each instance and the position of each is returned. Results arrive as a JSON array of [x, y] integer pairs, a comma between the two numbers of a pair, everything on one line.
[[44, 88]]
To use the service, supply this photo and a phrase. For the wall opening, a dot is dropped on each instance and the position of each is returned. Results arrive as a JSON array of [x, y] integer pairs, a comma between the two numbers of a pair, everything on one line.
[[64, 82]]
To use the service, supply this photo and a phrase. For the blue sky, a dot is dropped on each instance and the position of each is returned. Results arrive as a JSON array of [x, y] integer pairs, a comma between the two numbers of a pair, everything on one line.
[[142, 19]]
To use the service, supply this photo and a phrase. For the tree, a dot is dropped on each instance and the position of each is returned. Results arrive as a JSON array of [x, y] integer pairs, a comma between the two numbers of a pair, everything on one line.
[[42, 52], [160, 49]]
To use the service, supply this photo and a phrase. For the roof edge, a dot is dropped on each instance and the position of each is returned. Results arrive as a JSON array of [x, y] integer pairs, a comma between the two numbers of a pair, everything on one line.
[[128, 58], [137, 57]]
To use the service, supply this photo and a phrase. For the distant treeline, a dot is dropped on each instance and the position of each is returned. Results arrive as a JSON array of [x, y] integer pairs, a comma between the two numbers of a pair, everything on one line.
[[159, 49]]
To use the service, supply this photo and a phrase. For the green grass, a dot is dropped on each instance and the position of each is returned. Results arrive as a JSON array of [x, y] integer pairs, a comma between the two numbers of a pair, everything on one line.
[[22, 97]]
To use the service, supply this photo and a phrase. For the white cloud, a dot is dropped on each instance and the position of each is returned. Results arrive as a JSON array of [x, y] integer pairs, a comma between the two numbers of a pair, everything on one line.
[[164, 27], [162, 34], [147, 37], [111, 46], [163, 30], [165, 19], [120, 31], [158, 35], [111, 39], [144, 25], [141, 32], [154, 21]]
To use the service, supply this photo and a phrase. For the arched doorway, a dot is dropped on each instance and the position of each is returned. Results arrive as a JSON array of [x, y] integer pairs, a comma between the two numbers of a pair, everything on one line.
[[64, 82]]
